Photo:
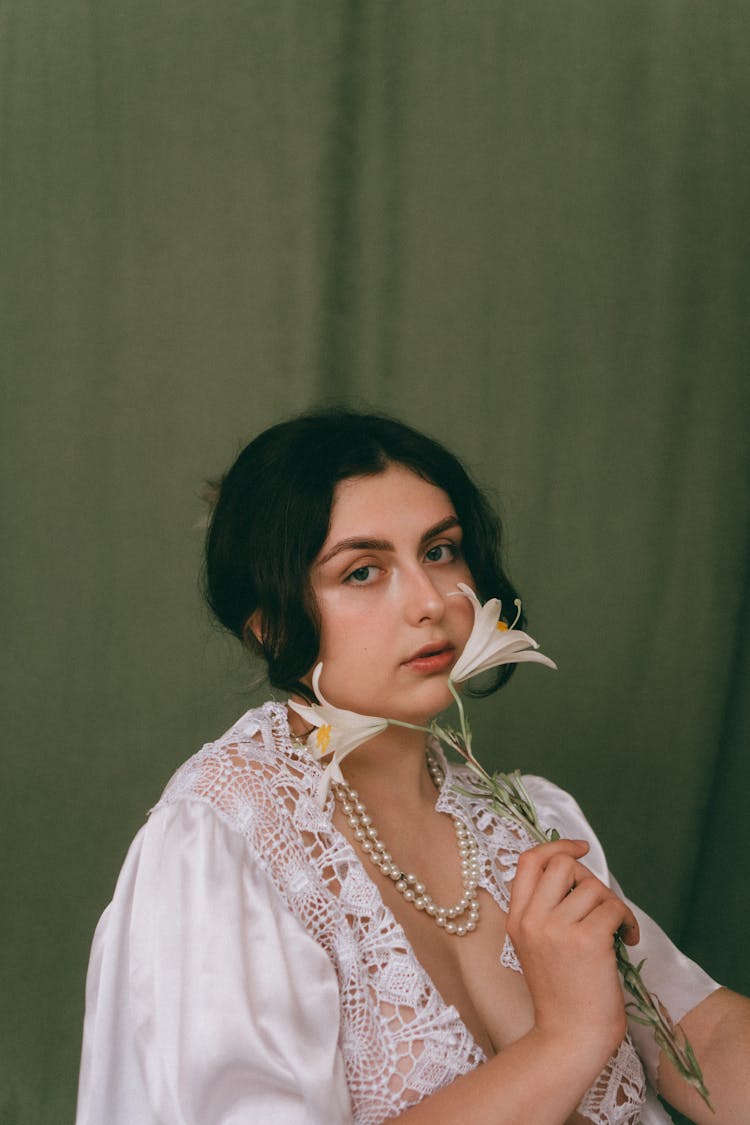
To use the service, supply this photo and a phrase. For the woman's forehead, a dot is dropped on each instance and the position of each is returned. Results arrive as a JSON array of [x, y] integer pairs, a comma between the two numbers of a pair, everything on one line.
[[397, 497]]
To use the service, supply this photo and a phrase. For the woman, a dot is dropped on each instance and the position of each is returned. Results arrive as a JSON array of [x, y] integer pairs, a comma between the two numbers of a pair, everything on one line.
[[399, 949]]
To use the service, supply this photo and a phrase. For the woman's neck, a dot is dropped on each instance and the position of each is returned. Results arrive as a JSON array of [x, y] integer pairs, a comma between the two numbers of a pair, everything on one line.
[[391, 769]]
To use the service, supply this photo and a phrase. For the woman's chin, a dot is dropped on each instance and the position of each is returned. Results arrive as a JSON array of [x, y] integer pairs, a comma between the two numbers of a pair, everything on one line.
[[426, 704], [418, 705]]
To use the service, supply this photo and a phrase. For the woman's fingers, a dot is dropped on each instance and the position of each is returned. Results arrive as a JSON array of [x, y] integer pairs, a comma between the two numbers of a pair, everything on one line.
[[532, 865], [561, 875], [608, 916], [550, 878], [588, 896]]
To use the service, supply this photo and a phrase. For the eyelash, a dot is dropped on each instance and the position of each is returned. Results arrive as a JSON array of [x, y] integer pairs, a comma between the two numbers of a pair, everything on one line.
[[452, 549]]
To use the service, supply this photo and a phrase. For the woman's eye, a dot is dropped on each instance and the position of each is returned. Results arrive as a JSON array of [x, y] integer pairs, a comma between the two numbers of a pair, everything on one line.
[[441, 552], [361, 576]]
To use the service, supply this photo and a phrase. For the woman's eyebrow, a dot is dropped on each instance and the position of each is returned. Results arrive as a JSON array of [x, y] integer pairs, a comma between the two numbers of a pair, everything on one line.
[[358, 543], [355, 544], [439, 528]]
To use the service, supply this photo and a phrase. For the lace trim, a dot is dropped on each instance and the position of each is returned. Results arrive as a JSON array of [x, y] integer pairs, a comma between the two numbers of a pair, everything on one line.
[[400, 1040]]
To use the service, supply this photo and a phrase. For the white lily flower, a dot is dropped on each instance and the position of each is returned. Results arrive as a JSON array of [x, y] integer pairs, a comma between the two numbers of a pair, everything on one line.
[[491, 641], [337, 732]]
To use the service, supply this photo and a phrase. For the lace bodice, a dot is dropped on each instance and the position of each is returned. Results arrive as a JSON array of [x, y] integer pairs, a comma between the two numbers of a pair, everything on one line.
[[400, 1040]]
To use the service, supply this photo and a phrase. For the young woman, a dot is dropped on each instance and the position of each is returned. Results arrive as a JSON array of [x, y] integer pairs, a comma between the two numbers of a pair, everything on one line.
[[286, 953]]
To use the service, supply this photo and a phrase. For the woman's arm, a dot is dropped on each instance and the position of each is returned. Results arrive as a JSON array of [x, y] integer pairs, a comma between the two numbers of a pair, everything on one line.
[[719, 1030], [537, 1079], [207, 1001], [561, 921]]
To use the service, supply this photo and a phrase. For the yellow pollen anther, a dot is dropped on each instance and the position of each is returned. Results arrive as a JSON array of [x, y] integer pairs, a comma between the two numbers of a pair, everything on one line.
[[503, 628], [323, 737]]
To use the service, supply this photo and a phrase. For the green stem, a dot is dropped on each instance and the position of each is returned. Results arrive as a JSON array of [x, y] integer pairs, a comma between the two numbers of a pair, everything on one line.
[[409, 726], [465, 729]]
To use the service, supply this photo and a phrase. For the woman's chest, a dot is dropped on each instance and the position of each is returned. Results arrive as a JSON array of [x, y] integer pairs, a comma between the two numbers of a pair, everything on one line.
[[460, 962], [435, 1003], [491, 998], [448, 1001]]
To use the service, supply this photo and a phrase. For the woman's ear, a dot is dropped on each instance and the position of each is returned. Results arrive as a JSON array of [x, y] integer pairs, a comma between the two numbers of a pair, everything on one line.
[[254, 627]]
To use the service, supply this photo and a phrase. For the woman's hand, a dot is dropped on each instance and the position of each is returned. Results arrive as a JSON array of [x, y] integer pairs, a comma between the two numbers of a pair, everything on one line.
[[562, 921]]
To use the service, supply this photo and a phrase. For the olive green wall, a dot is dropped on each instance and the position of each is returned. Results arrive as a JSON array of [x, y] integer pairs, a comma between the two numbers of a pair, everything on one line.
[[520, 225]]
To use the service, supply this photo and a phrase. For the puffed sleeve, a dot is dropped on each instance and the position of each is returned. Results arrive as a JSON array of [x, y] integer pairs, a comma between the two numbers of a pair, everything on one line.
[[678, 982], [207, 1002]]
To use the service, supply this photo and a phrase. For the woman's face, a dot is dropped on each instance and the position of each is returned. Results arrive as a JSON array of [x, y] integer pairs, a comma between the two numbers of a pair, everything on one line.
[[389, 634]]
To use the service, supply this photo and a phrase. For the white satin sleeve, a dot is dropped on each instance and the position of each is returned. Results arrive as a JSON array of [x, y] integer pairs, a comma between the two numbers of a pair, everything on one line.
[[679, 983], [207, 1002]]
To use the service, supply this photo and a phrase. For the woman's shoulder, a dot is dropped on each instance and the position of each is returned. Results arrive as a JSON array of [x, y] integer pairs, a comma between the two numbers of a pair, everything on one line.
[[554, 803], [559, 809], [252, 772]]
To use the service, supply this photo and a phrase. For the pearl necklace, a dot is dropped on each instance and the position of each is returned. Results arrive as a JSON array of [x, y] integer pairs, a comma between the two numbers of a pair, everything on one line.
[[459, 919]]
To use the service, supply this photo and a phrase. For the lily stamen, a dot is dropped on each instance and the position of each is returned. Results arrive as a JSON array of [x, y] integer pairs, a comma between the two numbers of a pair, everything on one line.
[[322, 738]]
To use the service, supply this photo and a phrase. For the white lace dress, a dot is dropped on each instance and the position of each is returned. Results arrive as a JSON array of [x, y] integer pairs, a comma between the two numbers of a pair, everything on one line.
[[247, 969]]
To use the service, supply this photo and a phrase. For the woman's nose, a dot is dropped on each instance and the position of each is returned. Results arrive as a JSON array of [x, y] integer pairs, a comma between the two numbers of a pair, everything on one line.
[[424, 601]]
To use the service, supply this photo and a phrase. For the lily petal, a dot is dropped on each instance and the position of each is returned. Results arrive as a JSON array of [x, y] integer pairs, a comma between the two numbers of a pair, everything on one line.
[[491, 643], [346, 730]]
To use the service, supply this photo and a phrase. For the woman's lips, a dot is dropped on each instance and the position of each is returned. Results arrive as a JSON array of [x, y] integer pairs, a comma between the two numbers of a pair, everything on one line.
[[432, 660]]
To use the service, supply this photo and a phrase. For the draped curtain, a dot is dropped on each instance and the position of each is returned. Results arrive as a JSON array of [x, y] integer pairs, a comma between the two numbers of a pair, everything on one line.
[[521, 226]]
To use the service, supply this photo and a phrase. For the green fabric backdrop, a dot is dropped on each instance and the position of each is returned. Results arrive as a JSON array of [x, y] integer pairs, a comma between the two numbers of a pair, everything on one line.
[[521, 225]]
